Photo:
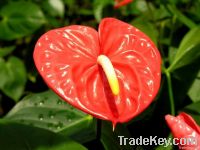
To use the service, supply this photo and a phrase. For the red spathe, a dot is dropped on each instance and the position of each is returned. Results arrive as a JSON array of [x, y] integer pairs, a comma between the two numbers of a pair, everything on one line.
[[66, 58], [120, 3], [184, 127]]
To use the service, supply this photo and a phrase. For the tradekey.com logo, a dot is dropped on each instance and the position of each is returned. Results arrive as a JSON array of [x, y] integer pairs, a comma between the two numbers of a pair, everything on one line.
[[154, 140]]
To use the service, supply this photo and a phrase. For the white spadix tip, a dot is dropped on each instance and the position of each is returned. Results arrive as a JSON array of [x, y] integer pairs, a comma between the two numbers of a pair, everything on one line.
[[109, 71]]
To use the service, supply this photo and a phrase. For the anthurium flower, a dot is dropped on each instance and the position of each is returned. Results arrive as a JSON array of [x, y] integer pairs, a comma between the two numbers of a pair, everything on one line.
[[112, 74], [185, 129], [120, 3]]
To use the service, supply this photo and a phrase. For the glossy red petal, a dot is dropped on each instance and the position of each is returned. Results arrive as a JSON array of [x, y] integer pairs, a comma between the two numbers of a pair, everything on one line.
[[189, 121], [137, 63], [67, 60], [181, 129]]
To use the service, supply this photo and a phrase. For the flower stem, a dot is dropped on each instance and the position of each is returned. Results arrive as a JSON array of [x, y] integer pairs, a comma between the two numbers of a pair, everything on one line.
[[99, 127], [171, 97]]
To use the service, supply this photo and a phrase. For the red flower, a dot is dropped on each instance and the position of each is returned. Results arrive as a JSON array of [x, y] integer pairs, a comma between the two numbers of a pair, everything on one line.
[[185, 129], [112, 74], [120, 3]]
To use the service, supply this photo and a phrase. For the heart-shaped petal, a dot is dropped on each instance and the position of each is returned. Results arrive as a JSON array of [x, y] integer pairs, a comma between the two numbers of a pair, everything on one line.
[[67, 60], [137, 64]]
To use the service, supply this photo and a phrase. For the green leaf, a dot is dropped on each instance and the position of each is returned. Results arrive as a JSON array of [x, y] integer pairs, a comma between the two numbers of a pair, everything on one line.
[[164, 147], [54, 22], [184, 19], [3, 73], [46, 110], [110, 139], [4, 51], [174, 1], [172, 54], [182, 79], [13, 77], [195, 10], [193, 110], [98, 6], [161, 13], [137, 7], [20, 19], [69, 3], [147, 28], [86, 12], [194, 91], [54, 8], [22, 137], [188, 51]]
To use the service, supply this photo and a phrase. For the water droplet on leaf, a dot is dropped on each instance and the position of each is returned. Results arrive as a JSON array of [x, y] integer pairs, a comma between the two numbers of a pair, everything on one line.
[[41, 103], [49, 125], [59, 102], [70, 115], [41, 117], [59, 125], [51, 115]]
